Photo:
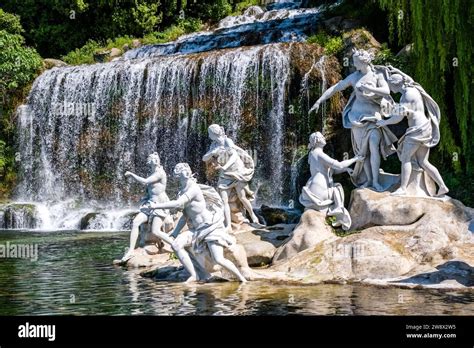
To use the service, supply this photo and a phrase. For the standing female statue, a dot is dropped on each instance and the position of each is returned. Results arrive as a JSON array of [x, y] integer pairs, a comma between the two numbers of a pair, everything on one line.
[[423, 133], [360, 115], [236, 168]]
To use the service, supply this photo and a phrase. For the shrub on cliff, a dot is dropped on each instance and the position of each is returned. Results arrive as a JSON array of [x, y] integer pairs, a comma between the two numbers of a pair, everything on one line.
[[19, 65]]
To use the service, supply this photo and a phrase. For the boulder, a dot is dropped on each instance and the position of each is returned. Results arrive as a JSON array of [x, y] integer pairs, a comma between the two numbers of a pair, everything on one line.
[[19, 216], [274, 216], [92, 221], [333, 24], [101, 56], [149, 257], [337, 25], [358, 39], [115, 52], [49, 63], [369, 208], [261, 244], [397, 240], [136, 43], [311, 230]]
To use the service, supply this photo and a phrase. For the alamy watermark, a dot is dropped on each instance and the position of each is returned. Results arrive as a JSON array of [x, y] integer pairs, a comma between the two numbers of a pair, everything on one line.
[[19, 251], [73, 109]]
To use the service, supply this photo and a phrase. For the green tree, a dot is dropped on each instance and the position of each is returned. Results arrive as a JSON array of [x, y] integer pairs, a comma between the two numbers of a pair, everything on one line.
[[147, 16], [441, 33], [10, 23], [19, 65]]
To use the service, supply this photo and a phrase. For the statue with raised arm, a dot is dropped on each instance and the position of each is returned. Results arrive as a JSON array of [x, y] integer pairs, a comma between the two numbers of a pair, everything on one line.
[[320, 192], [236, 169], [205, 220], [423, 133], [360, 115], [155, 193]]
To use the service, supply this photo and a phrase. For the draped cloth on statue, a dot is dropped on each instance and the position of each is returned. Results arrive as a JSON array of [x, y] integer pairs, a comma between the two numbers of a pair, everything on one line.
[[239, 173], [362, 125], [428, 134], [161, 213], [212, 231], [334, 205]]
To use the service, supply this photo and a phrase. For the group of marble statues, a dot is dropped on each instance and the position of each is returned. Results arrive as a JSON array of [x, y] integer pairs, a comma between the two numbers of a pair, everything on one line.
[[209, 213], [205, 212], [369, 111]]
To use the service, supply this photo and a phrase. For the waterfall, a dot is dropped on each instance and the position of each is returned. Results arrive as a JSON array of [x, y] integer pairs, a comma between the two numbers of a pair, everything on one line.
[[254, 27], [83, 126]]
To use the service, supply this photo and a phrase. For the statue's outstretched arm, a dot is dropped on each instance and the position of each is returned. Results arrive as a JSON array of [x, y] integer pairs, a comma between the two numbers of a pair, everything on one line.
[[339, 166], [395, 117], [145, 181], [340, 86], [211, 153]]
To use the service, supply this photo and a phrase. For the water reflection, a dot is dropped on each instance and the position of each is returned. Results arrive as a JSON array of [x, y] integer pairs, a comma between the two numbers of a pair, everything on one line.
[[74, 275]]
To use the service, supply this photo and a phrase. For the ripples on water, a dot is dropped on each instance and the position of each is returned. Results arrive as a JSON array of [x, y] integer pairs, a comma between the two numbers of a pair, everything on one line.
[[74, 275]]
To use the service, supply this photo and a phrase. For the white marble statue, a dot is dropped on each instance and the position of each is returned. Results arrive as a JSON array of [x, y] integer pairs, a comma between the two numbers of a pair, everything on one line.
[[320, 192], [236, 169], [361, 113], [155, 193], [205, 220], [423, 116]]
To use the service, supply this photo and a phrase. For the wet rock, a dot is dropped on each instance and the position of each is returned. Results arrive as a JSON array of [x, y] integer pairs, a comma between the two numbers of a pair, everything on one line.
[[274, 216], [359, 39], [19, 216], [311, 230], [148, 257], [333, 24], [92, 221], [49, 63], [404, 240], [115, 52], [337, 25], [136, 43], [261, 244], [254, 11], [101, 57]]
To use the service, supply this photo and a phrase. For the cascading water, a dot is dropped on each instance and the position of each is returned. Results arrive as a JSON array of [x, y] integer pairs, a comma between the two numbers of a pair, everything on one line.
[[254, 27], [84, 126]]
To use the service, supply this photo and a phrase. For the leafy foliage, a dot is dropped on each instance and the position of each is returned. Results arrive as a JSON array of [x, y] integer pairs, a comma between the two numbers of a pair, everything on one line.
[[332, 44], [85, 54], [147, 16], [10, 23], [441, 32], [58, 27], [19, 65]]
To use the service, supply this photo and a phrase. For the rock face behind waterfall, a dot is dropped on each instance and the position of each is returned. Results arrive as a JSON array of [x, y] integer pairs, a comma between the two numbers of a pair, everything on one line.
[[404, 241], [84, 126]]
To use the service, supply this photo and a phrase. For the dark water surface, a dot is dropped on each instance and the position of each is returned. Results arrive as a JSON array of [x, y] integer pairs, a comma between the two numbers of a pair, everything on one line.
[[74, 275]]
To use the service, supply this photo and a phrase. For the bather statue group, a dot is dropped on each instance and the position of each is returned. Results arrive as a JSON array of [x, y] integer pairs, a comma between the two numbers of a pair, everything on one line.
[[208, 216]]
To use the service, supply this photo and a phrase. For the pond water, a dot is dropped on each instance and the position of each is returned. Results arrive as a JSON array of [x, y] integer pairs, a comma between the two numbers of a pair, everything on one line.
[[74, 274]]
